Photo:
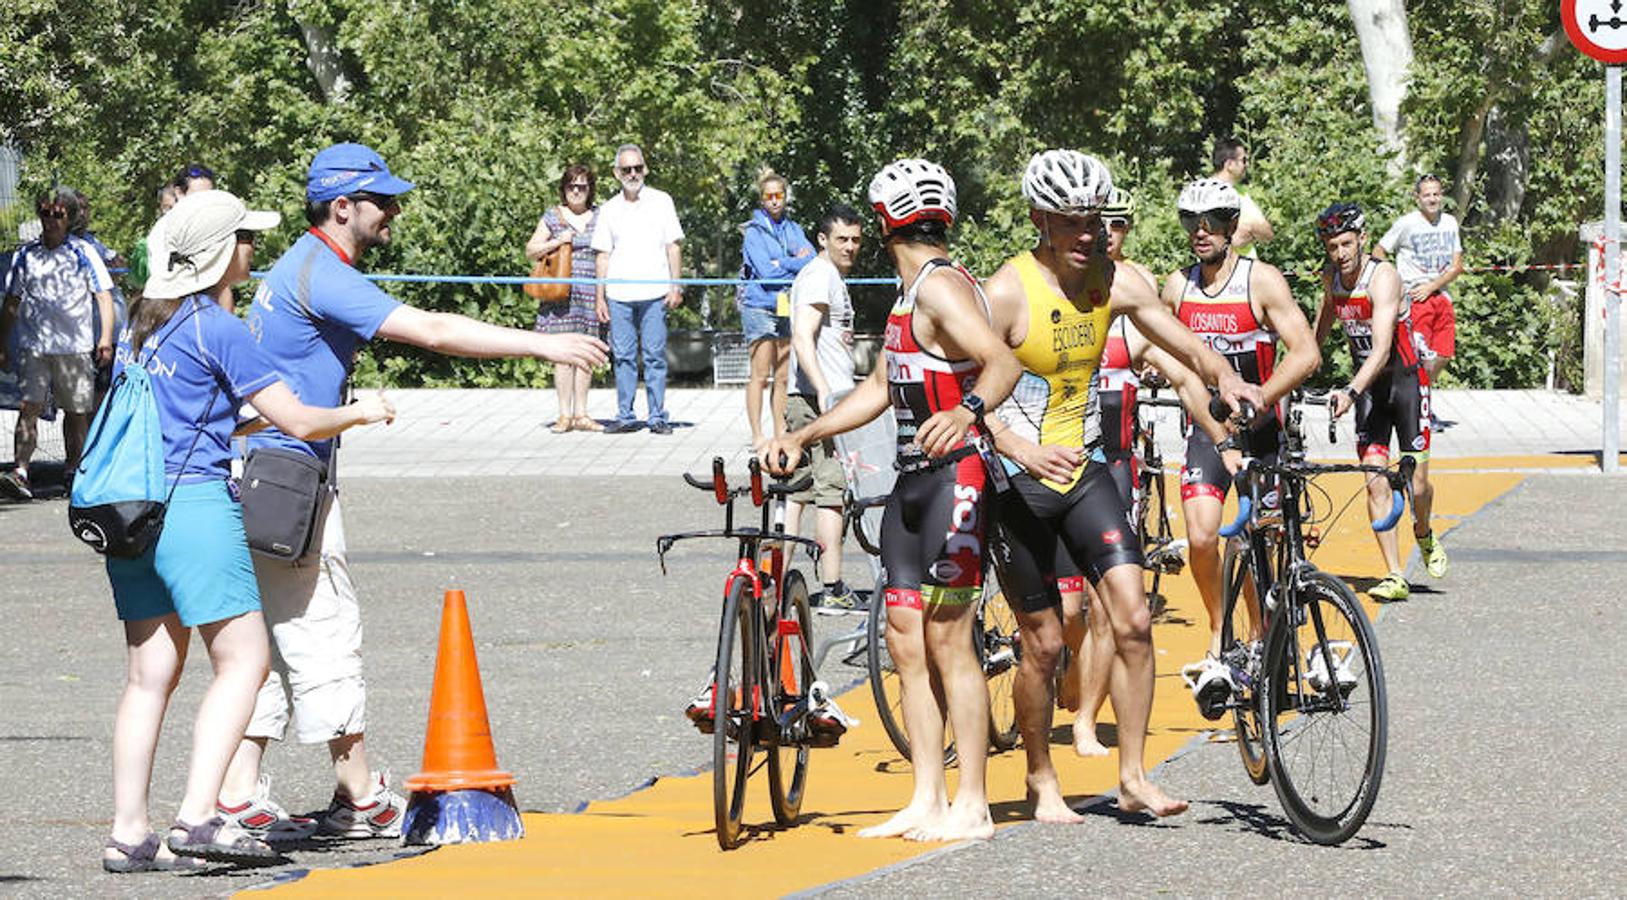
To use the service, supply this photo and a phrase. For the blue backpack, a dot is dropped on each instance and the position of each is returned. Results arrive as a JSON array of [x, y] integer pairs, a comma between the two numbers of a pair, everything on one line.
[[119, 496]]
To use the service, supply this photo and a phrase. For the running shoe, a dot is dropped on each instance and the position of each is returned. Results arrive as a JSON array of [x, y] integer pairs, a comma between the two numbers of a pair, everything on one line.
[[1434, 555], [377, 816], [1211, 684], [1393, 587], [264, 818], [844, 600], [826, 721], [14, 484], [1316, 666]]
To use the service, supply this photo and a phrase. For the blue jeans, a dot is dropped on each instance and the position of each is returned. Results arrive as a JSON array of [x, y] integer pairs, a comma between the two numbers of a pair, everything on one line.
[[639, 325]]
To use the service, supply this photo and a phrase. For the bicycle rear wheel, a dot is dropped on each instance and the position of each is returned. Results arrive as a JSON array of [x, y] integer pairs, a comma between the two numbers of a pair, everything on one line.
[[1242, 646], [1326, 710], [732, 702], [998, 651], [792, 666], [885, 687]]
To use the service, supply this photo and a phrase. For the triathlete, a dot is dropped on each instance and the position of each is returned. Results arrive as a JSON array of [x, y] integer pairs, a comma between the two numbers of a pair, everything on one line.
[[1240, 307], [1053, 305], [1118, 381], [943, 365], [1390, 389]]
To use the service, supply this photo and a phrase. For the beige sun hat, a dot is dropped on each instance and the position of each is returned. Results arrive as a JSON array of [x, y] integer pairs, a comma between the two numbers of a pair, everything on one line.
[[198, 237]]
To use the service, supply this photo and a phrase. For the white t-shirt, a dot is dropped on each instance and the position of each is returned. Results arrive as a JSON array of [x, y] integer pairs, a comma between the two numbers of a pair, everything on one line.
[[1248, 210], [1421, 250], [636, 236], [56, 288], [819, 283]]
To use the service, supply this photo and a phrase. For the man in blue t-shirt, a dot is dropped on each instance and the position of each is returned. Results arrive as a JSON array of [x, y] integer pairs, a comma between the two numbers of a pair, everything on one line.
[[310, 315]]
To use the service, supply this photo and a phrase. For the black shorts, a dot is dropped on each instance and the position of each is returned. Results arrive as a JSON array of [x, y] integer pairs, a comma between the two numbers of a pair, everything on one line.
[[1396, 403], [1090, 524], [1124, 467], [932, 535], [1204, 475]]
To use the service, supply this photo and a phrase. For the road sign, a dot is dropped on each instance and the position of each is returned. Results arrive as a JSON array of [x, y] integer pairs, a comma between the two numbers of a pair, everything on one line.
[[1598, 28]]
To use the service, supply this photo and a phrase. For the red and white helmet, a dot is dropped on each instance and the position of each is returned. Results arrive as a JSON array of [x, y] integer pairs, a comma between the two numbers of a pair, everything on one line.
[[913, 190], [1066, 182]]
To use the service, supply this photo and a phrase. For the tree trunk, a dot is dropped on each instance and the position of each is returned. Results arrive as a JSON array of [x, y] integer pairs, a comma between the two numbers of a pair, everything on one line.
[[1474, 128], [325, 61], [1386, 52]]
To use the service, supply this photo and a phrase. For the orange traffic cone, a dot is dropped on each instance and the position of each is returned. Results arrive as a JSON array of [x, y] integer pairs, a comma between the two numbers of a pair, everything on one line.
[[460, 795]]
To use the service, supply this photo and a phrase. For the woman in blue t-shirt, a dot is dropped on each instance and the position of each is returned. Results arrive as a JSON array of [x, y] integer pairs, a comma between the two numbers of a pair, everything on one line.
[[775, 248], [203, 365]]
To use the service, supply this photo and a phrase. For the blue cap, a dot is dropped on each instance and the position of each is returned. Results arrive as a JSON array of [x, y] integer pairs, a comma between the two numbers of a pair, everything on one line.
[[347, 168]]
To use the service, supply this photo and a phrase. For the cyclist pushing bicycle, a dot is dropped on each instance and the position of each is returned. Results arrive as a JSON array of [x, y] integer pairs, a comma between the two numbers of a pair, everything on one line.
[[1390, 389], [943, 367]]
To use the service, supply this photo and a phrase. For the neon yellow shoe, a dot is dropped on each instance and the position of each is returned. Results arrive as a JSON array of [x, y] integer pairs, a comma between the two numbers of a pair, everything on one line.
[[1434, 555], [1393, 587]]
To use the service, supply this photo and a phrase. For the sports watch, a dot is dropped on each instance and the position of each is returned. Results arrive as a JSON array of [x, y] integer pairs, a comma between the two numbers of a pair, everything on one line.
[[974, 403]]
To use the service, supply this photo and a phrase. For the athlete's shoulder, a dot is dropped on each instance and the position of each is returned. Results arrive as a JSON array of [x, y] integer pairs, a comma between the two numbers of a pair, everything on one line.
[[1263, 275]]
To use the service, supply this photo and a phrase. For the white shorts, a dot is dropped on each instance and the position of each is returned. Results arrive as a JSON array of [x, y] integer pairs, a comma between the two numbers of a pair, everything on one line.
[[316, 642], [68, 377]]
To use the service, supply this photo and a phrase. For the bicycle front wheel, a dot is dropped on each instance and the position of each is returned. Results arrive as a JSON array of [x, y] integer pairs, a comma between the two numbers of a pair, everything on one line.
[[734, 711], [1242, 646], [1325, 707], [792, 666], [998, 651], [885, 687]]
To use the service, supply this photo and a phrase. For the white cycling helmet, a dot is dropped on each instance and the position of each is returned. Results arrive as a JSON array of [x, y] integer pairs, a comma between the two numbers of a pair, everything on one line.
[[912, 190], [1209, 195], [1066, 182], [1120, 202]]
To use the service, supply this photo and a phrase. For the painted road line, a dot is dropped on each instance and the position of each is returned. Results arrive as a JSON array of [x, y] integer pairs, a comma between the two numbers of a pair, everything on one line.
[[660, 841]]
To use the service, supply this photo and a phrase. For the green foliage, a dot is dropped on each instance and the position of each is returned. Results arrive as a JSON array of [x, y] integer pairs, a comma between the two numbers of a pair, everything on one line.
[[483, 104]]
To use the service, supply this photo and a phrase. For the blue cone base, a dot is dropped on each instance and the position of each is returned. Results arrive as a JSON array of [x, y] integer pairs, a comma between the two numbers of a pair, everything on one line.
[[461, 817]]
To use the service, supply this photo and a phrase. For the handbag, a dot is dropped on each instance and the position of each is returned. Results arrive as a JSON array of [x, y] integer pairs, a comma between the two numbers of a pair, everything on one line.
[[282, 493], [557, 264]]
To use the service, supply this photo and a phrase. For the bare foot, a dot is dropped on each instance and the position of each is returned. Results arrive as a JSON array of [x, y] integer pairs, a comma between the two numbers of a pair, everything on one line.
[[1084, 739], [956, 825], [1049, 807], [1147, 797], [910, 817]]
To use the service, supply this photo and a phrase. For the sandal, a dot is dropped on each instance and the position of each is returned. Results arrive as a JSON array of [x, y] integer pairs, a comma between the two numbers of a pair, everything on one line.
[[217, 841], [586, 423], [562, 426], [143, 857]]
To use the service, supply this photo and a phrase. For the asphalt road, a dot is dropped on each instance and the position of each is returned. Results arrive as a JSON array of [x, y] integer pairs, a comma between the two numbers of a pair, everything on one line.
[[1502, 774]]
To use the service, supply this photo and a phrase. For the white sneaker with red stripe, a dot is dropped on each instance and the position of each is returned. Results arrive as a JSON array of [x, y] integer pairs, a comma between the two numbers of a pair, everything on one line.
[[265, 818], [376, 816]]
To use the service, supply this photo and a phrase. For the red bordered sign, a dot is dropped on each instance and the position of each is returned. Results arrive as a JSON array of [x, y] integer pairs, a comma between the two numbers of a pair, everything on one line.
[[1598, 28]]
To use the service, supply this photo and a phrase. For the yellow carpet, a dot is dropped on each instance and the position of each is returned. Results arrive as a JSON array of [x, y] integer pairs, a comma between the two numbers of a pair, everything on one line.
[[659, 841]]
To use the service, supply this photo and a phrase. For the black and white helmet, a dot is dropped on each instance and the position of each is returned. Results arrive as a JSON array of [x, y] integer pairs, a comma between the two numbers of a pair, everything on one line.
[[911, 190], [1066, 182], [1209, 195], [1339, 218]]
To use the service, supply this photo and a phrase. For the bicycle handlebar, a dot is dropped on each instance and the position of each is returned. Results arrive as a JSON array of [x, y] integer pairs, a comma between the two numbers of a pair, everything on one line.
[[1245, 506], [719, 484], [1222, 412], [1398, 504]]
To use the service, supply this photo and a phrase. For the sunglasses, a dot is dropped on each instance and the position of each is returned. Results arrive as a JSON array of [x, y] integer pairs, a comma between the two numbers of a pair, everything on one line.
[[199, 172], [576, 187], [773, 195], [1213, 221], [386, 202], [631, 170], [1117, 222], [245, 236]]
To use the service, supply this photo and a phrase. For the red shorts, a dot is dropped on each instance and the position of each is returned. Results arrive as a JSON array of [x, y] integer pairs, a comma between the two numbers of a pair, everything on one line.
[[1435, 324]]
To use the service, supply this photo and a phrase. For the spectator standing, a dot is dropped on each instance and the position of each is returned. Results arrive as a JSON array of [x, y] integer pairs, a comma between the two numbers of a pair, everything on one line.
[[57, 290], [311, 314], [636, 241], [774, 250], [572, 222], [1231, 160], [821, 366], [203, 365], [193, 177], [80, 227], [1429, 255]]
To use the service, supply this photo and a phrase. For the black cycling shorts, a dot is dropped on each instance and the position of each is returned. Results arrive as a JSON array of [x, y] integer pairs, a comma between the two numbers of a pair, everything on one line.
[[1204, 475], [932, 535], [1123, 467], [1397, 402], [1090, 524]]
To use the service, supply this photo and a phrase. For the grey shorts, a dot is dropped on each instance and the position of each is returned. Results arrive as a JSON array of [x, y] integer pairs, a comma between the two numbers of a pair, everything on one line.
[[70, 378], [828, 479]]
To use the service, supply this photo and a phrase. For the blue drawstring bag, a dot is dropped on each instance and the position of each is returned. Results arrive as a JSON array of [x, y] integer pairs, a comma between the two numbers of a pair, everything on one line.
[[119, 496]]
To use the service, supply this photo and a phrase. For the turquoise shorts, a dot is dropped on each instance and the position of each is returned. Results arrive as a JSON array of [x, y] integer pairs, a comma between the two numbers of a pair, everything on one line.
[[200, 568]]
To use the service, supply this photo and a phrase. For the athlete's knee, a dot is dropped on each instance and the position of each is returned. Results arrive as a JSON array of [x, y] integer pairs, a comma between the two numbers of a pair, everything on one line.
[[1042, 647]]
